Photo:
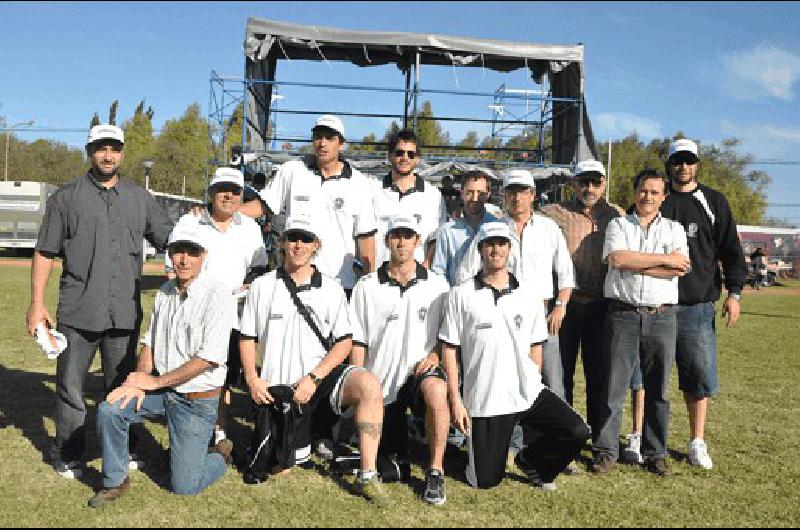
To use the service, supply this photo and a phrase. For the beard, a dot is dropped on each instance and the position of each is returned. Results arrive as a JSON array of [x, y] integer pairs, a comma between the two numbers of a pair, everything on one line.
[[103, 176], [402, 173]]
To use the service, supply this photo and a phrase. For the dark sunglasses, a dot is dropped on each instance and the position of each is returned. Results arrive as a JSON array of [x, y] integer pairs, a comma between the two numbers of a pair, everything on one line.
[[687, 159], [410, 154], [227, 187], [294, 237], [584, 183], [185, 248]]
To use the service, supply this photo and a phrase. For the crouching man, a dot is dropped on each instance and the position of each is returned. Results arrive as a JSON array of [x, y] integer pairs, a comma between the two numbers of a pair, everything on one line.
[[500, 325], [397, 312], [186, 347], [300, 319]]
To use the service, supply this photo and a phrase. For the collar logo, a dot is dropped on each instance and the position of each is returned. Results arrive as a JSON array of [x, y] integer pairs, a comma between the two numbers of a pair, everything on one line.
[[338, 203], [692, 232], [422, 313], [518, 321], [418, 217]]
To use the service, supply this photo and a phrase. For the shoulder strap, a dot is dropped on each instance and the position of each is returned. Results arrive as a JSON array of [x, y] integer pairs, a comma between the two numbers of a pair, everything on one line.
[[301, 308]]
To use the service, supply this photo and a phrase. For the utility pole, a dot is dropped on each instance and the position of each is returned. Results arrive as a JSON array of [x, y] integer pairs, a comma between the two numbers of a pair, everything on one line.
[[608, 173]]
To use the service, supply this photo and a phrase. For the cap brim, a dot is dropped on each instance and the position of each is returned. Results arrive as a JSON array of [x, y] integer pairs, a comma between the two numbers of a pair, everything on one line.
[[186, 242], [589, 175], [676, 153], [300, 231]]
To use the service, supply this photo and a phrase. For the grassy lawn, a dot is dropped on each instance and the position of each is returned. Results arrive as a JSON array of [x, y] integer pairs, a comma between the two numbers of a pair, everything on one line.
[[752, 433]]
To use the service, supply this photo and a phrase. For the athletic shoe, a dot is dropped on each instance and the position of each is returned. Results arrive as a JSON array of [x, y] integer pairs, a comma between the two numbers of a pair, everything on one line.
[[434, 488], [107, 495], [135, 462], [633, 453], [532, 474], [372, 489], [602, 463], [324, 449], [658, 466], [698, 454], [72, 469]]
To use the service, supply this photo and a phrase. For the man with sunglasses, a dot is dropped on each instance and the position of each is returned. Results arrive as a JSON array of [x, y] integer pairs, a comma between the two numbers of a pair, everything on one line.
[[235, 248], [96, 224], [711, 229], [329, 190], [179, 375], [583, 221], [396, 314], [296, 324]]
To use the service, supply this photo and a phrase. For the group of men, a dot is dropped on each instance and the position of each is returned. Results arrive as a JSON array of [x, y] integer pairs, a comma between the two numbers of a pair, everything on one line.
[[381, 304]]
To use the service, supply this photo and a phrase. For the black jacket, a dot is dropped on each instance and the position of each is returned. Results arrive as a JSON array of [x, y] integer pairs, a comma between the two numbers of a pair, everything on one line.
[[711, 232]]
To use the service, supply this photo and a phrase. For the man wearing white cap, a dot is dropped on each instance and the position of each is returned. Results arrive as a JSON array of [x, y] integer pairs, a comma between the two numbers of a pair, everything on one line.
[[500, 334], [583, 221], [711, 230], [180, 373], [296, 325], [397, 312], [235, 248], [96, 224], [329, 190]]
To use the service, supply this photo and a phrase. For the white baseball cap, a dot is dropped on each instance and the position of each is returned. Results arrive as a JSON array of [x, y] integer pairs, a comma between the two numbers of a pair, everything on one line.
[[301, 223], [404, 221], [683, 145], [518, 177], [493, 229], [589, 166], [184, 234], [331, 122], [227, 174], [105, 132]]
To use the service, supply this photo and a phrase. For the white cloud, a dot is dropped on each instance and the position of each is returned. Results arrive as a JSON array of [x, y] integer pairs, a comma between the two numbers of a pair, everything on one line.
[[765, 68], [765, 141], [621, 124]]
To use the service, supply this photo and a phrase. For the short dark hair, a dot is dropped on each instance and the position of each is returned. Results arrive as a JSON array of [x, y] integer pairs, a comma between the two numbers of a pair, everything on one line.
[[476, 175], [649, 173], [403, 135]]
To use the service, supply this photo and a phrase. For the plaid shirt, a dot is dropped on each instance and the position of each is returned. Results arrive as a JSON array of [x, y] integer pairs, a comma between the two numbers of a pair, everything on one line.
[[585, 234]]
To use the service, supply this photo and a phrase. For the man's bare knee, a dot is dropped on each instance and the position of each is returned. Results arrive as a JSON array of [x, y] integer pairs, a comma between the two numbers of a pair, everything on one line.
[[434, 391], [362, 387]]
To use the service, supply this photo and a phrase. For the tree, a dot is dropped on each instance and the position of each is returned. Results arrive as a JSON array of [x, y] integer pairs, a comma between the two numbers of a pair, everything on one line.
[[139, 144], [429, 132], [95, 120], [112, 113], [182, 150]]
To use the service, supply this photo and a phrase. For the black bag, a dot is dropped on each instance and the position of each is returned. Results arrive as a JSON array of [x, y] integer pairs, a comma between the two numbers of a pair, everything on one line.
[[278, 427]]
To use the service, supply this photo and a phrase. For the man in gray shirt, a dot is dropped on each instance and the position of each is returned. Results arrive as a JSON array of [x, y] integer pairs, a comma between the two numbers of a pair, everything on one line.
[[96, 224]]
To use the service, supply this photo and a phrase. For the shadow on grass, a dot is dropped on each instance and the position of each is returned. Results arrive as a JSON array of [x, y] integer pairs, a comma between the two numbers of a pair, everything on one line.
[[768, 315]]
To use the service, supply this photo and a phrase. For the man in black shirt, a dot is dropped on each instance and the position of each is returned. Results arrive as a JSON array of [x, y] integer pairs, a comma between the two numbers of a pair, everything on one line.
[[711, 232]]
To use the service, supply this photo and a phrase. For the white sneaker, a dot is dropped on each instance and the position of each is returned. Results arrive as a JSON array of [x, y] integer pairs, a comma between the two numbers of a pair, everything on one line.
[[135, 462], [633, 452], [698, 454], [73, 470]]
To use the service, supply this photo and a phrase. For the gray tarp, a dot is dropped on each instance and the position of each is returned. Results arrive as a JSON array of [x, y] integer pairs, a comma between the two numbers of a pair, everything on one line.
[[267, 41]]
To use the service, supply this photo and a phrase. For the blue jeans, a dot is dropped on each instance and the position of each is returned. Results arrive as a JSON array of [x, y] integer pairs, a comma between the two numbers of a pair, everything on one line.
[[652, 338], [190, 424], [696, 352]]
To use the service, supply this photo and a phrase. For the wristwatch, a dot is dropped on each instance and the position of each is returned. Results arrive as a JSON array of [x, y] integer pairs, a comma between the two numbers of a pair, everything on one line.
[[558, 303], [314, 378], [735, 296]]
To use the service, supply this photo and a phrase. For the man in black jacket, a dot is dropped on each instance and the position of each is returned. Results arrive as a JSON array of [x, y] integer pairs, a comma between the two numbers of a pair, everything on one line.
[[711, 232]]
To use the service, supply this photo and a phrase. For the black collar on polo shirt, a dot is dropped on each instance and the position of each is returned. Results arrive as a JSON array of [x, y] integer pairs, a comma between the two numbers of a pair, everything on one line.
[[419, 185], [315, 283], [383, 277], [311, 164], [498, 293]]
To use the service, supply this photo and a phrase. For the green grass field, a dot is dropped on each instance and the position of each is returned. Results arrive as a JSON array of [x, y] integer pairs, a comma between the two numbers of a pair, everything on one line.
[[752, 433]]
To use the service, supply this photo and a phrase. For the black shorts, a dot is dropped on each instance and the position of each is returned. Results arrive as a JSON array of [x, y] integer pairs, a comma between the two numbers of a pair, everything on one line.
[[394, 437], [234, 361]]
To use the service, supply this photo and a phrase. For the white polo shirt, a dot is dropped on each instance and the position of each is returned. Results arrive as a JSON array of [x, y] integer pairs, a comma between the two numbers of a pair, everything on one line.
[[662, 237], [423, 201], [288, 347], [495, 330], [192, 325], [341, 207], [398, 326], [537, 255]]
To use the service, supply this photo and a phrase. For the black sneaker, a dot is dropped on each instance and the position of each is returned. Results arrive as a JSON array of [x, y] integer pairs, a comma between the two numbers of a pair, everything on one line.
[[434, 488], [72, 469], [532, 474]]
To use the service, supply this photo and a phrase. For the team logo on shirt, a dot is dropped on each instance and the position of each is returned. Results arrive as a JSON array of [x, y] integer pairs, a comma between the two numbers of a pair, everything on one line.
[[422, 313], [692, 231], [518, 321], [303, 198], [338, 203]]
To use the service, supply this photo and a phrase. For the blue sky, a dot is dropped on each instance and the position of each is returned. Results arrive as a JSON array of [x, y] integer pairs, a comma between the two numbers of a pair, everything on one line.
[[712, 70]]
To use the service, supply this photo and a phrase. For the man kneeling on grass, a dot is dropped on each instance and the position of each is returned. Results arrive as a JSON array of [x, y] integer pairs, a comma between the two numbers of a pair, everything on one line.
[[397, 312], [300, 319], [186, 345], [499, 324]]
